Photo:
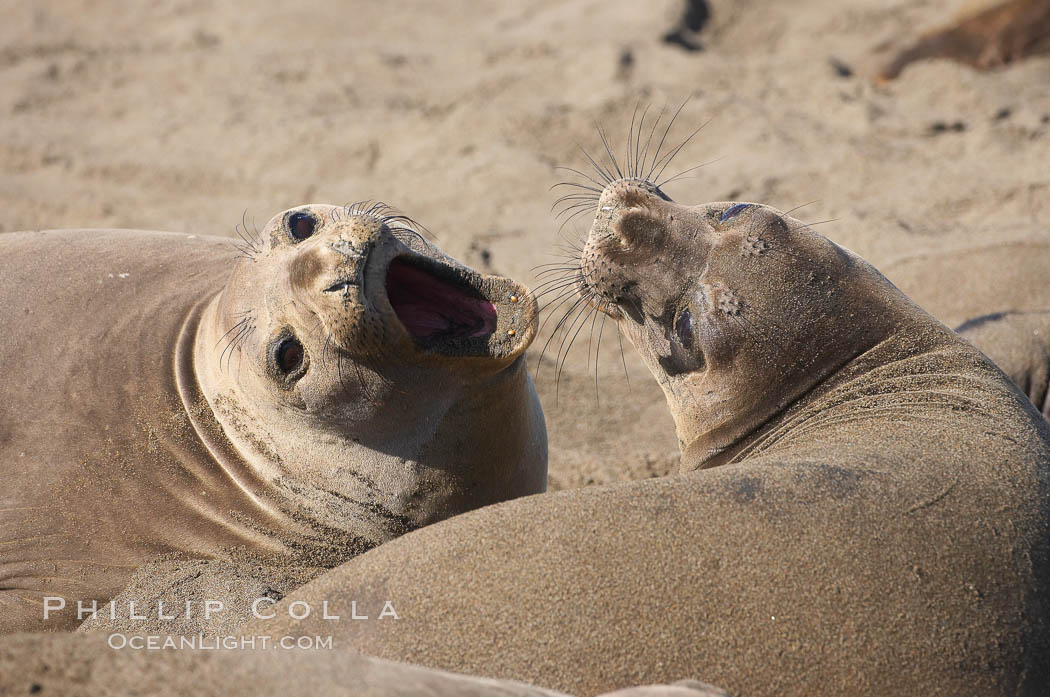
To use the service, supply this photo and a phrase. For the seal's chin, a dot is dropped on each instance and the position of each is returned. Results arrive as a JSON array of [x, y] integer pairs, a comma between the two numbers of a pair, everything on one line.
[[438, 305]]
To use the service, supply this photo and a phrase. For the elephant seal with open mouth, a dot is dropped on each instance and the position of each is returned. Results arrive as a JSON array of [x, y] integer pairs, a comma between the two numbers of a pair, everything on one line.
[[864, 506], [337, 384]]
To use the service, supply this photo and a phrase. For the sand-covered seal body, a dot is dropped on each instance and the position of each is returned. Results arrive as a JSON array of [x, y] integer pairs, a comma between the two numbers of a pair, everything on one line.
[[996, 297], [865, 506], [76, 665], [345, 383], [1019, 343]]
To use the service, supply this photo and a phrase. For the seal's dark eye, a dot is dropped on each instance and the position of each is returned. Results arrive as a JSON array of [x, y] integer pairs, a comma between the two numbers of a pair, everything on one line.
[[683, 328], [289, 356], [301, 226]]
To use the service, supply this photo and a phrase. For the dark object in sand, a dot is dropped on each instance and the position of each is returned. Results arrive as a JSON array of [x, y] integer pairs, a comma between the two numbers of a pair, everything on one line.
[[694, 18]]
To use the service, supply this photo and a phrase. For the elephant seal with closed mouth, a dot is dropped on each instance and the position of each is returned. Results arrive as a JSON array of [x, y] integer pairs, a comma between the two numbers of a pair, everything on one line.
[[339, 384], [864, 506]]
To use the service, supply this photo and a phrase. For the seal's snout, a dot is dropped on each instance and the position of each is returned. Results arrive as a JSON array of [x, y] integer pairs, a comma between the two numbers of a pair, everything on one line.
[[378, 286], [629, 232], [628, 208]]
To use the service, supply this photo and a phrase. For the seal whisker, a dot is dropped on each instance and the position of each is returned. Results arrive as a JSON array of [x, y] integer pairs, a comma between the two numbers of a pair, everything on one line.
[[567, 277], [597, 351], [590, 339], [324, 349], [572, 217], [778, 249], [623, 359], [649, 140], [556, 269], [576, 246], [401, 233], [230, 343], [240, 344], [557, 301], [562, 296], [589, 200], [363, 384], [663, 138], [555, 265], [608, 149], [237, 325], [244, 250], [552, 284], [575, 211], [607, 176], [565, 268], [576, 185], [576, 310], [577, 197], [563, 257], [580, 308], [568, 270], [558, 326], [803, 205], [636, 167], [747, 327], [630, 137], [669, 157], [256, 237], [569, 248], [589, 178], [819, 222], [629, 145], [584, 205], [248, 247], [684, 172], [581, 313], [560, 291]]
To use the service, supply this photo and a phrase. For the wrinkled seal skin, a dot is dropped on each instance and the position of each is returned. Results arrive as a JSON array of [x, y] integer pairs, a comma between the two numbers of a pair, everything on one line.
[[864, 507], [144, 411]]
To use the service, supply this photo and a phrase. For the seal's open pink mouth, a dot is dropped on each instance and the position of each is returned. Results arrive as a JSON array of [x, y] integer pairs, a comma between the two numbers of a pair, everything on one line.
[[436, 307]]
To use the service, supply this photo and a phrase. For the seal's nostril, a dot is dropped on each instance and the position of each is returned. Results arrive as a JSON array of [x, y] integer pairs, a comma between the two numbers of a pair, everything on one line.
[[637, 227], [683, 328]]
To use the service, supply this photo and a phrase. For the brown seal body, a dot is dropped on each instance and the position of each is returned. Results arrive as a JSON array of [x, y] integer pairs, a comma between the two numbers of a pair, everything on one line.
[[344, 384], [864, 508], [1019, 343], [95, 666], [997, 296], [75, 665], [961, 283]]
